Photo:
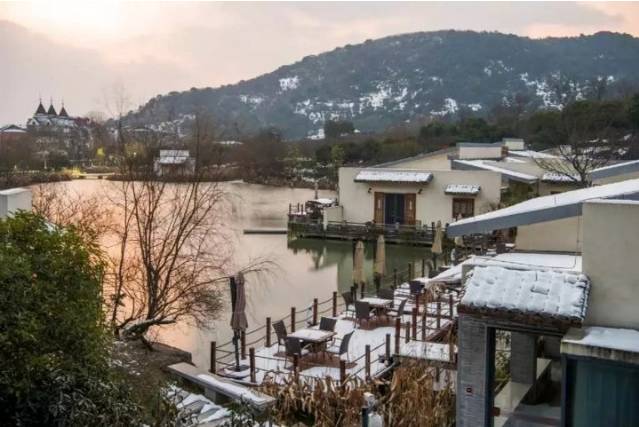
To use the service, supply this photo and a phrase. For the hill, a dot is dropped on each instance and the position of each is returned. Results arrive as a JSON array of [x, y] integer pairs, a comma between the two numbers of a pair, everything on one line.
[[410, 77]]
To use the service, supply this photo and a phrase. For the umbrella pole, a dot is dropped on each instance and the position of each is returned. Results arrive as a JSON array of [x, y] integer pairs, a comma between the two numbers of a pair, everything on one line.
[[236, 339]]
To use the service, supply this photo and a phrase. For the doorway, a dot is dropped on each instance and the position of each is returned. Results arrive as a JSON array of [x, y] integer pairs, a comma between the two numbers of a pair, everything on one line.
[[394, 208]]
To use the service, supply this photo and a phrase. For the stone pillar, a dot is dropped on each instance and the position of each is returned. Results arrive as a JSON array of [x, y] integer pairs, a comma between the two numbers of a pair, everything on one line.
[[471, 372], [523, 358]]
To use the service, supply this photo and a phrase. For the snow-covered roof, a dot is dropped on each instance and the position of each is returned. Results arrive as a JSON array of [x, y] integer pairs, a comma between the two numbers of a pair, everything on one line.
[[467, 189], [12, 129], [609, 338], [560, 297], [173, 157], [559, 178], [393, 175], [616, 169], [492, 166], [531, 154], [541, 209]]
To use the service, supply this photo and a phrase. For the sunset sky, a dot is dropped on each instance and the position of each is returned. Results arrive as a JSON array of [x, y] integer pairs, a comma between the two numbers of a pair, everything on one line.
[[81, 51]]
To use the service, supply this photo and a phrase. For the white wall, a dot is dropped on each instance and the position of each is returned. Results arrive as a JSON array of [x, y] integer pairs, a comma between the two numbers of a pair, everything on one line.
[[611, 261], [562, 235], [13, 200], [489, 151], [431, 205]]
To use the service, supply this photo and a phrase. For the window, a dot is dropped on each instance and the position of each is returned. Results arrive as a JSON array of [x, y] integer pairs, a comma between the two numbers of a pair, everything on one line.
[[463, 208]]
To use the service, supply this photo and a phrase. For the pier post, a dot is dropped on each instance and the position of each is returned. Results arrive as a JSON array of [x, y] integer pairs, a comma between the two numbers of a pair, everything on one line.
[[243, 343], [410, 271], [424, 324], [451, 348], [398, 331], [395, 277], [417, 298], [314, 311], [342, 371], [450, 305], [252, 363], [213, 357], [268, 331], [367, 361], [292, 319], [414, 321], [388, 346], [407, 332], [423, 267], [334, 304], [439, 313], [362, 287]]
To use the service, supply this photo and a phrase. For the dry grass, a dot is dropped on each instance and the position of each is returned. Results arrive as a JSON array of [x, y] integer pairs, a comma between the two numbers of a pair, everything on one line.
[[408, 399]]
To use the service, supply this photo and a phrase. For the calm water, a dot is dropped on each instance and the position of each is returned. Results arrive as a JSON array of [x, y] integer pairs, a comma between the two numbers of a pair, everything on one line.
[[306, 268]]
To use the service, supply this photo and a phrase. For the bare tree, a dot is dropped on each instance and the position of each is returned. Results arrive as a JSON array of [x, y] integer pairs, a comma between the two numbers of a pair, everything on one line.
[[589, 138]]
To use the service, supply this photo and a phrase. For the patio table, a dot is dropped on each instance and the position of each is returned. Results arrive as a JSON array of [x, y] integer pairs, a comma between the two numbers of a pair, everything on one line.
[[316, 337], [380, 305]]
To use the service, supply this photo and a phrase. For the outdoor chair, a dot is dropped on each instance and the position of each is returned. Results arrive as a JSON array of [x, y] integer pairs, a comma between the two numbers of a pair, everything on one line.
[[348, 303], [294, 348], [400, 310], [362, 312], [386, 293], [341, 347], [327, 324], [280, 331], [416, 287]]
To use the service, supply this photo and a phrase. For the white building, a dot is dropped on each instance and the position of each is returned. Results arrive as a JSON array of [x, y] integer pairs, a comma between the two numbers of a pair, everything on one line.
[[174, 162], [13, 200], [563, 314]]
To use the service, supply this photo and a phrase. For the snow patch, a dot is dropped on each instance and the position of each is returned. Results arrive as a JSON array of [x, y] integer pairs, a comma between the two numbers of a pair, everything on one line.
[[289, 83]]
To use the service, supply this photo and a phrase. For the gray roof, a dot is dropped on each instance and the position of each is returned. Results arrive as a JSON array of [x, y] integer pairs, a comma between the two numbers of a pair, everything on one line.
[[542, 209], [416, 157], [489, 165], [560, 297], [616, 169]]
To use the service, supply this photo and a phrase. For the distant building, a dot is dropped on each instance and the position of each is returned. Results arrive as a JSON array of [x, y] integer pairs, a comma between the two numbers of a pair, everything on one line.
[[174, 162], [50, 119], [12, 133]]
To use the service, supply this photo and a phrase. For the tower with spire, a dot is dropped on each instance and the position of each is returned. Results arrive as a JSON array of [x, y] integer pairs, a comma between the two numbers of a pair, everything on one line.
[[50, 119]]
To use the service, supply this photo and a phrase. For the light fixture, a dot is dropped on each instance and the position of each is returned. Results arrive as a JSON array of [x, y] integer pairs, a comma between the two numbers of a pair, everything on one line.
[[419, 191], [369, 190]]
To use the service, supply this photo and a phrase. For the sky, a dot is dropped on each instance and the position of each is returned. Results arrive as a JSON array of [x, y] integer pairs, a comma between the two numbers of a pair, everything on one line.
[[88, 54]]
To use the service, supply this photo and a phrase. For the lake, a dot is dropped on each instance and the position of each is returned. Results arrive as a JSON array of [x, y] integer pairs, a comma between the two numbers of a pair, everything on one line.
[[306, 268]]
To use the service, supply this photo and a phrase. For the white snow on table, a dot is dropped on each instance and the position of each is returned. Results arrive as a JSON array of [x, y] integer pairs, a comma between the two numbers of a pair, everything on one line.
[[611, 338], [462, 189], [555, 294], [615, 190], [393, 175]]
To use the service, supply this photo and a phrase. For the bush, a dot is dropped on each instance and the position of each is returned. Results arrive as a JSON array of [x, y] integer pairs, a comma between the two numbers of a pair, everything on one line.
[[54, 348]]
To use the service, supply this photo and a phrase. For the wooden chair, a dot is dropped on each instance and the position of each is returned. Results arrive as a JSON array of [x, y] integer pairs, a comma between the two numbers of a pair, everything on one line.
[[362, 312], [342, 347], [416, 287], [327, 324], [294, 348], [400, 310], [280, 331], [348, 303], [386, 293]]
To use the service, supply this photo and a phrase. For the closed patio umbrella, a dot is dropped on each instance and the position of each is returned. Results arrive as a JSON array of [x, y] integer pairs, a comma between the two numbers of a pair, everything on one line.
[[437, 243], [358, 264], [238, 318], [380, 260]]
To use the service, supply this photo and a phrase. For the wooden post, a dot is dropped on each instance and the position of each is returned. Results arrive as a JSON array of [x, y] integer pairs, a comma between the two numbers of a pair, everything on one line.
[[395, 284], [243, 343], [451, 350], [423, 267], [296, 362], [314, 311], [417, 298], [410, 271], [398, 327], [268, 331], [424, 325], [334, 304], [414, 320], [407, 332], [342, 371], [292, 319], [367, 361], [439, 313], [450, 305], [362, 287], [252, 363], [213, 358], [388, 346]]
